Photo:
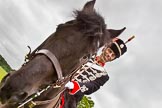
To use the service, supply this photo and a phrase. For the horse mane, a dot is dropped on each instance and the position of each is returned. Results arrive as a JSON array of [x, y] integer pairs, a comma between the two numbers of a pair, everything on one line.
[[88, 23]]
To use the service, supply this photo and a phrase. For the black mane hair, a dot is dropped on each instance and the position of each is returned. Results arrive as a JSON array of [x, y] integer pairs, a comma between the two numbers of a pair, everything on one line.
[[90, 23]]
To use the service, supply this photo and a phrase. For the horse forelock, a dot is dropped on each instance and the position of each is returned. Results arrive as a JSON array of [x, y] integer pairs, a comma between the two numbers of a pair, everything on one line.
[[88, 25], [93, 26], [89, 22]]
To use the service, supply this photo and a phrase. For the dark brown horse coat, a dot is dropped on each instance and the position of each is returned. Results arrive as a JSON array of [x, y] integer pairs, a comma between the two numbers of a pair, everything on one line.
[[72, 40]]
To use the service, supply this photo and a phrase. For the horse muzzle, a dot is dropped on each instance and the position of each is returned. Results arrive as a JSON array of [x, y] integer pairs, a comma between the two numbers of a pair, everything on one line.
[[12, 100]]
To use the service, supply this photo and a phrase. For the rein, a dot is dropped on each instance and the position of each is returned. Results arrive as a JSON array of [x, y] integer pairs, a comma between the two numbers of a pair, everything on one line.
[[58, 84]]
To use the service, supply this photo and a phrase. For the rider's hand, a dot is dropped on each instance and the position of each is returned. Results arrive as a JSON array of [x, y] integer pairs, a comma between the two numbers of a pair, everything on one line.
[[69, 85]]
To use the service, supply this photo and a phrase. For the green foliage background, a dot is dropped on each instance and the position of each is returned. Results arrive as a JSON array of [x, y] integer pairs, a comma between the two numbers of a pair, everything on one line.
[[4, 64], [86, 102]]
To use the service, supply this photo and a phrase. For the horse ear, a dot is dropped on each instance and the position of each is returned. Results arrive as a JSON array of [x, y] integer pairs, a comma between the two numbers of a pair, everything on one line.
[[115, 33], [89, 7]]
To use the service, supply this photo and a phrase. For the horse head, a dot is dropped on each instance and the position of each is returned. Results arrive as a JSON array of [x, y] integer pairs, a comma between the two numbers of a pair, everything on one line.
[[71, 41]]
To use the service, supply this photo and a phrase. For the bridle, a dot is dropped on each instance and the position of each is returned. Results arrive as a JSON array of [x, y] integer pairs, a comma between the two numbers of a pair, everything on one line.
[[58, 84], [54, 61], [61, 79], [99, 35]]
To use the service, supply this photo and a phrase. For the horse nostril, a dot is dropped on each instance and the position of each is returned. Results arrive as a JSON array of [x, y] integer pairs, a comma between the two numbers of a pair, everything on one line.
[[13, 99], [23, 95], [17, 98]]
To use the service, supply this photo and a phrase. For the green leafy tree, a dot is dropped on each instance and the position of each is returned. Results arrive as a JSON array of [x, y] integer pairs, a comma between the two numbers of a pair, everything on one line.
[[4, 64], [86, 102]]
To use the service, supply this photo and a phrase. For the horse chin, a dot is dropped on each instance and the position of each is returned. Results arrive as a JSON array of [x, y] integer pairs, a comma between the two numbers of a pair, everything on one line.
[[7, 106], [9, 102], [13, 100], [3, 99]]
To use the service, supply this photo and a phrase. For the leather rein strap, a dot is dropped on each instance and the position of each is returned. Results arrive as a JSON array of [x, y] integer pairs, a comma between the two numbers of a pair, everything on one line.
[[54, 61]]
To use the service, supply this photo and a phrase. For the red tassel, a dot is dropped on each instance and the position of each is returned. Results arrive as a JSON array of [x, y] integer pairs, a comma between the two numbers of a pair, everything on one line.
[[62, 101]]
